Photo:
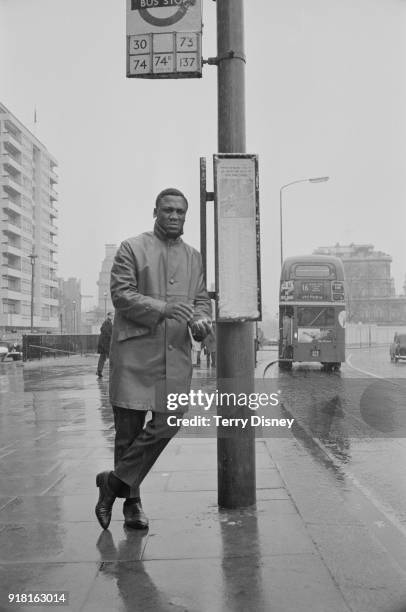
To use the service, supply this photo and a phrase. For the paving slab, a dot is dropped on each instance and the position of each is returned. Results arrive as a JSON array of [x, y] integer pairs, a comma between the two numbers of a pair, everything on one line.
[[228, 534], [248, 583], [64, 542]]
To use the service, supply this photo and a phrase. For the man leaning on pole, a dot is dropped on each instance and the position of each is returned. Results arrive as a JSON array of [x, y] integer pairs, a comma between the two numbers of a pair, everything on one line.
[[159, 294]]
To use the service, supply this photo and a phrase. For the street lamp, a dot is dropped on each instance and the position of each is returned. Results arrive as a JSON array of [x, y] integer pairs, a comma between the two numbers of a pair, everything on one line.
[[105, 303], [74, 316], [317, 179], [32, 257]]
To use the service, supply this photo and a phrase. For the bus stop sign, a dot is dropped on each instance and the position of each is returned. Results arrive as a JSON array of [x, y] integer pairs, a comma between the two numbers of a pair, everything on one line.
[[164, 39]]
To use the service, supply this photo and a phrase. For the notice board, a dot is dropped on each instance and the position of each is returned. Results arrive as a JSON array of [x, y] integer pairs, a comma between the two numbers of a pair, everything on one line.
[[237, 237]]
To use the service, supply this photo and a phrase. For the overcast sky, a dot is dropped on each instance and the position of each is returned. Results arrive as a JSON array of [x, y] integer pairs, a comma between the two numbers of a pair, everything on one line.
[[326, 95]]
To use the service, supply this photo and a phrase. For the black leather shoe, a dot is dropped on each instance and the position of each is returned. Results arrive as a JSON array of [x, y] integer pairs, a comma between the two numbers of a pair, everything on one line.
[[134, 515], [106, 500]]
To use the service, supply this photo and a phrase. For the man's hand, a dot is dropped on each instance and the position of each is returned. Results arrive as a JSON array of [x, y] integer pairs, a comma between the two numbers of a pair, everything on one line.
[[179, 311], [200, 329]]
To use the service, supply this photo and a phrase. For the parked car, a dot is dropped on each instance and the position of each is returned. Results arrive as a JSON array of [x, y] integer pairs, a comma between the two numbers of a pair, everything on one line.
[[397, 349], [8, 349], [3, 350]]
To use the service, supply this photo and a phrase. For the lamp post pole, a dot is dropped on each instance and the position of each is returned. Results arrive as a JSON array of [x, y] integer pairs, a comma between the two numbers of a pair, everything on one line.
[[317, 179], [105, 303], [74, 316], [32, 257]]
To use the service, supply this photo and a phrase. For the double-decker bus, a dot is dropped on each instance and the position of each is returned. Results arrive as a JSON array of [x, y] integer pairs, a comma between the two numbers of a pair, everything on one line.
[[312, 311]]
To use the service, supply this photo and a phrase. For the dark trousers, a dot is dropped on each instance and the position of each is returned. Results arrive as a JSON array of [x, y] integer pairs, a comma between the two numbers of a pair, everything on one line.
[[137, 447], [213, 359], [101, 362]]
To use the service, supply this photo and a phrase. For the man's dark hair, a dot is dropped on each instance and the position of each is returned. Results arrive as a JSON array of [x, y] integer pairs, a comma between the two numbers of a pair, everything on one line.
[[171, 191]]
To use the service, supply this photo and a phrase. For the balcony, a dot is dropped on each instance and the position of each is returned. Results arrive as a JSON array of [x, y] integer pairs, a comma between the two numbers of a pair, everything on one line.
[[53, 176], [11, 227], [9, 204], [11, 294], [48, 227], [10, 148], [11, 185], [13, 139], [53, 212], [10, 162], [11, 249], [12, 268], [49, 262], [53, 195]]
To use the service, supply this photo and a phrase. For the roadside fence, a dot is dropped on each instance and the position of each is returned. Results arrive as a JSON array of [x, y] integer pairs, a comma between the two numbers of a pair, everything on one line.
[[37, 346]]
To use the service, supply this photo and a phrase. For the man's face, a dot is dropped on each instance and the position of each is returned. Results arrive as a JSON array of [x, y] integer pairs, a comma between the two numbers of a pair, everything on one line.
[[170, 214]]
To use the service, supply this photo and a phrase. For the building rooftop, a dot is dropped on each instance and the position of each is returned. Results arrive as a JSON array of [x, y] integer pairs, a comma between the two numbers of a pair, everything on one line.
[[353, 251]]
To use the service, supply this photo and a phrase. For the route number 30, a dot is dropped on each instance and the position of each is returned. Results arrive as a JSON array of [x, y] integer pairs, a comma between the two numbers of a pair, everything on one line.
[[139, 44]]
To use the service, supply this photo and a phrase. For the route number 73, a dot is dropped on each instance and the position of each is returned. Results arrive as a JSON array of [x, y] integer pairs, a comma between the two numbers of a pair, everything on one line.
[[186, 42]]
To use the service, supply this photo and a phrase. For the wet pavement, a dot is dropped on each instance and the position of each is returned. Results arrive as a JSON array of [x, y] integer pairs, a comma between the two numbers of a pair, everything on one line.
[[316, 539]]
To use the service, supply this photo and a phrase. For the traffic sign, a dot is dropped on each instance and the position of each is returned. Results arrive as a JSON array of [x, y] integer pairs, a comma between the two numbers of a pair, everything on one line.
[[164, 38]]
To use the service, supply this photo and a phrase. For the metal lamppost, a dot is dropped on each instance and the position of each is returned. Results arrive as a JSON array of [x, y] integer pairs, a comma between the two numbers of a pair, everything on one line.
[[105, 303], [32, 257], [317, 179], [74, 316]]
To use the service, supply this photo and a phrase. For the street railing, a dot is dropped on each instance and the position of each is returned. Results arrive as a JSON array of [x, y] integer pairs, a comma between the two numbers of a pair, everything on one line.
[[36, 346]]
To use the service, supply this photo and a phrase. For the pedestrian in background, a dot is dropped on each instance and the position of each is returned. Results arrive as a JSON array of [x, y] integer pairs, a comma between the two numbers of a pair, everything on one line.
[[209, 346], [158, 291], [103, 347], [196, 352]]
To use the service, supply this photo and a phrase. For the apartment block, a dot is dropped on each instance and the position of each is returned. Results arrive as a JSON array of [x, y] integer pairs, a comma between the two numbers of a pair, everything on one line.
[[104, 303], [28, 229]]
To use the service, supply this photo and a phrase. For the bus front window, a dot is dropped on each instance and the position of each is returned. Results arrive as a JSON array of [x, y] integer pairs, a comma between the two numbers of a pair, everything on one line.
[[307, 316]]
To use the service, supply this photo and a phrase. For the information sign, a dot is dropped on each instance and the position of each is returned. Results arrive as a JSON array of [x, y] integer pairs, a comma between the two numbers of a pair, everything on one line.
[[236, 199], [164, 38]]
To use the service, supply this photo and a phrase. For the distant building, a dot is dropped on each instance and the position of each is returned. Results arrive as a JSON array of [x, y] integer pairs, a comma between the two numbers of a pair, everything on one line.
[[104, 303], [27, 225], [370, 289], [70, 306]]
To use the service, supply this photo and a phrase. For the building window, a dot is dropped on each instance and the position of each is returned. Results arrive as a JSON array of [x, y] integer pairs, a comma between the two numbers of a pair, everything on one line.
[[10, 307]]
